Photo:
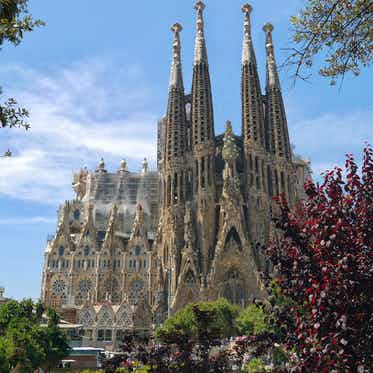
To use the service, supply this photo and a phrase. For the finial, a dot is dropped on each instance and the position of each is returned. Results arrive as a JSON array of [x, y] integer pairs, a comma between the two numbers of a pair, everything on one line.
[[101, 166], [247, 8], [176, 28], [200, 7], [268, 28], [228, 127], [272, 76], [145, 165], [123, 165], [200, 53], [248, 54]]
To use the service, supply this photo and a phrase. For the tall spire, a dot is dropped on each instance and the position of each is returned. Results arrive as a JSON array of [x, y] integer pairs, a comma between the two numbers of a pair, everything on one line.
[[202, 111], [200, 53], [176, 116], [248, 54], [277, 140], [203, 135], [176, 78], [272, 76], [253, 131]]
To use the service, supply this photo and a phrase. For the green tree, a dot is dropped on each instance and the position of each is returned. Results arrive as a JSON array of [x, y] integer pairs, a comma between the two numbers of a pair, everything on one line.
[[185, 323], [29, 337], [199, 327], [15, 21], [252, 321], [339, 30]]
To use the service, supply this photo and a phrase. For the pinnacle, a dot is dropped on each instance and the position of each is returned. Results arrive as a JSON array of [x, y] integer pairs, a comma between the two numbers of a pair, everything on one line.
[[247, 8], [200, 5], [176, 27], [268, 27]]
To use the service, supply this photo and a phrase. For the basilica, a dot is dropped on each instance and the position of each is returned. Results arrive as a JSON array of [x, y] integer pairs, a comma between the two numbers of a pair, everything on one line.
[[133, 248]]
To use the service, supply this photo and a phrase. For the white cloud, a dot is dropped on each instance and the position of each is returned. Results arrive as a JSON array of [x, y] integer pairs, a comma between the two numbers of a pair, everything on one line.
[[28, 220], [326, 139], [79, 114]]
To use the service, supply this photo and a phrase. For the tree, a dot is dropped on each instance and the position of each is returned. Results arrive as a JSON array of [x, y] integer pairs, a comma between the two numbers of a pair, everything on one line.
[[341, 30], [25, 342], [14, 22], [197, 328], [252, 321], [324, 266]]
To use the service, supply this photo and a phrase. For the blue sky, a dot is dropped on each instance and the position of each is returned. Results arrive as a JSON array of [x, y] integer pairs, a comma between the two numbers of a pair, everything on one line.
[[95, 81]]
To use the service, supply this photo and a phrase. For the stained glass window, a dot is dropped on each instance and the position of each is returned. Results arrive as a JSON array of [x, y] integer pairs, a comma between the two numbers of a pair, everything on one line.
[[58, 287]]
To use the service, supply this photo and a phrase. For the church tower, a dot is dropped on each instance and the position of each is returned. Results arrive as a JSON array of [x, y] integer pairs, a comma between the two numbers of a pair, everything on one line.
[[203, 136], [173, 174], [253, 137], [277, 139]]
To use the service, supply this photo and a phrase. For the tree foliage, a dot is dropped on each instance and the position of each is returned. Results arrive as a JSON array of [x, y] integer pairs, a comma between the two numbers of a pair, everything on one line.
[[252, 321], [216, 318], [25, 343], [15, 21], [340, 30], [324, 263]]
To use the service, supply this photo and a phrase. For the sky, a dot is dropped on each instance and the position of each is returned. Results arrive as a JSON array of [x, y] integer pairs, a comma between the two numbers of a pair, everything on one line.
[[95, 82]]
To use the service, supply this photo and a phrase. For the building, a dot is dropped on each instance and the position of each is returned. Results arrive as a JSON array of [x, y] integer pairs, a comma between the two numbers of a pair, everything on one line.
[[3, 299], [132, 248]]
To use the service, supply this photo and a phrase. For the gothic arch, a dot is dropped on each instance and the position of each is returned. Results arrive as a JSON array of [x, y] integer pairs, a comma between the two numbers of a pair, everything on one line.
[[232, 240], [105, 316]]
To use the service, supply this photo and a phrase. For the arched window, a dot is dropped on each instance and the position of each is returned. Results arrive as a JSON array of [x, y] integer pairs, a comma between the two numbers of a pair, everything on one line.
[[86, 251], [61, 251], [77, 214]]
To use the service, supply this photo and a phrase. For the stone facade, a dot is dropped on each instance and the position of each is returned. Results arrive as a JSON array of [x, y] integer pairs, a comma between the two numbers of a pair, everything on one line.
[[131, 248]]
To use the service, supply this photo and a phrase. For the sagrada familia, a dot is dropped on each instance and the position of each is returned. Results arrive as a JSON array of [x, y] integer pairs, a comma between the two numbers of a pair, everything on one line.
[[133, 248]]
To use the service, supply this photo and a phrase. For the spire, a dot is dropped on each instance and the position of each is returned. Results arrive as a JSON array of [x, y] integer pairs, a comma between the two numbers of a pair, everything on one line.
[[138, 227], [176, 116], [248, 54], [110, 231], [253, 131], [202, 111], [176, 77], [272, 76], [277, 141], [200, 53], [101, 166], [88, 232]]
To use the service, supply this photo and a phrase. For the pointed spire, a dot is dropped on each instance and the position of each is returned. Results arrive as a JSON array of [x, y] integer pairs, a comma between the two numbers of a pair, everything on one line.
[[277, 140], [248, 54], [200, 53], [176, 77], [272, 76], [138, 227], [89, 231], [110, 231], [251, 94]]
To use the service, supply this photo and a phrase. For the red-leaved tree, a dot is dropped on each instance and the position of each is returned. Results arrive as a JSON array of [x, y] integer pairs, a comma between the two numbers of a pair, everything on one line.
[[324, 263]]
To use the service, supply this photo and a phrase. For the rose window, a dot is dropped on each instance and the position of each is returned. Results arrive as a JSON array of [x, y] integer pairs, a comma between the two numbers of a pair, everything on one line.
[[58, 287]]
